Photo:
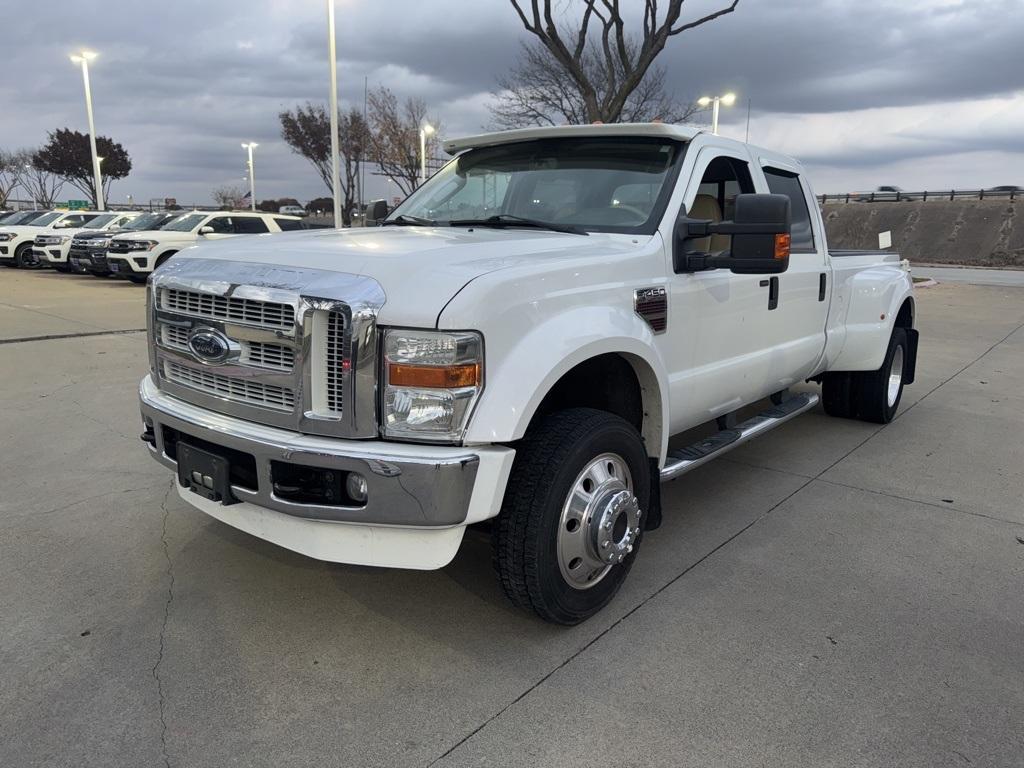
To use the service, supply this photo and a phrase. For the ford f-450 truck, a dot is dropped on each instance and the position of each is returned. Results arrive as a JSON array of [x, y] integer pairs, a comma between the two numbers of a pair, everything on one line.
[[515, 347]]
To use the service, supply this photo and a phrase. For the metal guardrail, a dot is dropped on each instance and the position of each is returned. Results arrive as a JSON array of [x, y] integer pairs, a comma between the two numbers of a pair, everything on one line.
[[897, 197]]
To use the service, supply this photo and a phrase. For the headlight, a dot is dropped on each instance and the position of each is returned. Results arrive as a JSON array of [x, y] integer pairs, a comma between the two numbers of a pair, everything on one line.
[[145, 245], [432, 379], [5, 236], [62, 239]]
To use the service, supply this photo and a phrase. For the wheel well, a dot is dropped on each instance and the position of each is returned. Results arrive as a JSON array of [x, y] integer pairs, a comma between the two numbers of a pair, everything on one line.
[[905, 317], [614, 383], [163, 257]]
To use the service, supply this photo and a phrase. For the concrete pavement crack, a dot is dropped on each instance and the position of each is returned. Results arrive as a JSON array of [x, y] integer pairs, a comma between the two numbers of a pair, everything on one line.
[[163, 627], [701, 560], [55, 336]]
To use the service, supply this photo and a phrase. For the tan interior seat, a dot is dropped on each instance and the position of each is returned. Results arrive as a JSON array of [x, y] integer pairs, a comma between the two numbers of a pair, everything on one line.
[[706, 207]]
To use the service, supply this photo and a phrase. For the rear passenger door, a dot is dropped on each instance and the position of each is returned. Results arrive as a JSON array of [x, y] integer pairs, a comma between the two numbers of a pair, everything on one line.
[[250, 225], [797, 321]]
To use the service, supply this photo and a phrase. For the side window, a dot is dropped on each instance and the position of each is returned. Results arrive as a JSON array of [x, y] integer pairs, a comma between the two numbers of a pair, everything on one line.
[[250, 225], [788, 184], [288, 225], [723, 180], [221, 225]]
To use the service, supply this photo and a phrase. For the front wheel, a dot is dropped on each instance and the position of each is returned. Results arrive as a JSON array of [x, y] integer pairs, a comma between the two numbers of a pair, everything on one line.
[[570, 524], [26, 258]]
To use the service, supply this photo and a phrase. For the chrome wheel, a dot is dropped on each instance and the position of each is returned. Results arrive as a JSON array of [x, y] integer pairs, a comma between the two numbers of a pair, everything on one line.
[[600, 521], [895, 376]]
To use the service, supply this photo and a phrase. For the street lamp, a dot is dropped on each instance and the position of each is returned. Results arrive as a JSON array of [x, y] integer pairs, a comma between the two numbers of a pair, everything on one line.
[[425, 130], [728, 100], [335, 167], [252, 173], [83, 58]]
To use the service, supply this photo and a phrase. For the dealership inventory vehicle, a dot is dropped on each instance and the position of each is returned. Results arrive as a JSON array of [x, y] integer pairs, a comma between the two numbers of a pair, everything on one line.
[[515, 347], [20, 217], [134, 255], [17, 242], [292, 210], [53, 248], [88, 252]]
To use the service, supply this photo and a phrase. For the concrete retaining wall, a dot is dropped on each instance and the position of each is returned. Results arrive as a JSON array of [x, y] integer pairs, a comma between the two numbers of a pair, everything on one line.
[[975, 232]]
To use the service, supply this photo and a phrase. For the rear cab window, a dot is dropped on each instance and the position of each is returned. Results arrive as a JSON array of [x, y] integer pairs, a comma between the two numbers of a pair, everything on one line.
[[787, 183]]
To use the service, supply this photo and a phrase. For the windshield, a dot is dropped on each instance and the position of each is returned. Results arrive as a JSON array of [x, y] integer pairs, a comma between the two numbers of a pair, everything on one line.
[[46, 219], [615, 184], [18, 217], [146, 221], [101, 221], [185, 223]]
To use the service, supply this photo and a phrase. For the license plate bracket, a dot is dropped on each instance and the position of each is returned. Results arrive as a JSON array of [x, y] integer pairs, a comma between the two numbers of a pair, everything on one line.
[[205, 473]]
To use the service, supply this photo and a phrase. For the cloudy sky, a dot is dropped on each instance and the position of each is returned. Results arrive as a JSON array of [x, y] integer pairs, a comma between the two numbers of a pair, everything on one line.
[[919, 93]]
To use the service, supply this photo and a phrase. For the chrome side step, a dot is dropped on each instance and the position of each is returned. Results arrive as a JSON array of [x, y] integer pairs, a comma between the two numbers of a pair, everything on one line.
[[682, 460]]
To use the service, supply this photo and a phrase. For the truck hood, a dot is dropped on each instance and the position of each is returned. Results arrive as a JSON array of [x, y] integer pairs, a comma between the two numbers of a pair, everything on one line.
[[419, 268]]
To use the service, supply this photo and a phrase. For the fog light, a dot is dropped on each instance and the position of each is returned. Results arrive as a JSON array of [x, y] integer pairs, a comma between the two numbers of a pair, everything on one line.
[[355, 486]]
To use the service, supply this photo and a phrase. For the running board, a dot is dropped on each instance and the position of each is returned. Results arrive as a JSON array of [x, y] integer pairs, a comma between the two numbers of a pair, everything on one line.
[[682, 460]]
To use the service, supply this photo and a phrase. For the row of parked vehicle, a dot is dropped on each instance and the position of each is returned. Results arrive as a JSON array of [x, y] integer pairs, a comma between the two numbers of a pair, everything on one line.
[[128, 244]]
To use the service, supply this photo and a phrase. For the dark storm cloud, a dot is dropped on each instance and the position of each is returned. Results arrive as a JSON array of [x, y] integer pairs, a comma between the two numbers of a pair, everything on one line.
[[182, 84]]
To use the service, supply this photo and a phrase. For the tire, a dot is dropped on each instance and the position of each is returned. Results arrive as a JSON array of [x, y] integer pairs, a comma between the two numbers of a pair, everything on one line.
[[877, 393], [138, 279], [24, 257], [548, 545], [64, 269], [837, 395]]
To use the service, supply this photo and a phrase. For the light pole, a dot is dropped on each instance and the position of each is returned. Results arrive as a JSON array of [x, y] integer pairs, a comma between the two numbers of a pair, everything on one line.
[[425, 131], [728, 100], [83, 58], [252, 173], [335, 168]]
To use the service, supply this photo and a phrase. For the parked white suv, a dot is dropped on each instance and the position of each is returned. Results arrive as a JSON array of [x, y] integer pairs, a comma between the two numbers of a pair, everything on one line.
[[53, 248], [134, 255], [517, 345], [292, 210], [17, 242]]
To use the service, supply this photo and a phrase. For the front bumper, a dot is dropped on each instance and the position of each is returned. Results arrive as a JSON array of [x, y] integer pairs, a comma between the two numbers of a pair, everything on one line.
[[124, 264], [419, 498], [51, 254]]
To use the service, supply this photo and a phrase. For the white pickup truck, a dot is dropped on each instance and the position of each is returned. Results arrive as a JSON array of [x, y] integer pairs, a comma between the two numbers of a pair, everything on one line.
[[515, 348]]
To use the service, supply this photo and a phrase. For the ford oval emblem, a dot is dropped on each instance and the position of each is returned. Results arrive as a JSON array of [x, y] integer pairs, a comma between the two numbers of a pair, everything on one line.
[[209, 346]]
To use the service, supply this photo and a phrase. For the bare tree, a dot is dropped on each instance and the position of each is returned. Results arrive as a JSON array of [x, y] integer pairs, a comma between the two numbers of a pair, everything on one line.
[[395, 137], [540, 91], [9, 174], [307, 130], [42, 185], [229, 197], [606, 68]]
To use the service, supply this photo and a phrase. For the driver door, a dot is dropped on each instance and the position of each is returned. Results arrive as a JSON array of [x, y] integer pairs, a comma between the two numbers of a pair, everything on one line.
[[714, 351]]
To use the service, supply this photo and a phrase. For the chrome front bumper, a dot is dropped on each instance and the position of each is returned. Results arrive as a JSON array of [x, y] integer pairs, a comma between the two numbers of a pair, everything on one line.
[[408, 485]]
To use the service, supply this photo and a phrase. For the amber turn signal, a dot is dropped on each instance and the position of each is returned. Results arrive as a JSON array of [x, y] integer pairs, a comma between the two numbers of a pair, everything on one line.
[[434, 376], [782, 243]]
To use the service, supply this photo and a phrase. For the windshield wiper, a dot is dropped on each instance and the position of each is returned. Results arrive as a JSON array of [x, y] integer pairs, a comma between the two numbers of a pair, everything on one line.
[[508, 220], [402, 220]]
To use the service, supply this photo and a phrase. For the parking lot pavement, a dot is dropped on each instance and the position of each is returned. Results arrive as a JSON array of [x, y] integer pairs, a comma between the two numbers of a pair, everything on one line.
[[48, 303], [834, 594], [1008, 277]]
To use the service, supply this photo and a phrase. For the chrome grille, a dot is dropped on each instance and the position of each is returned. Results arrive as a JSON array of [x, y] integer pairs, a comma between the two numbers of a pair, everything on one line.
[[265, 355], [255, 353], [334, 360], [235, 389], [264, 314]]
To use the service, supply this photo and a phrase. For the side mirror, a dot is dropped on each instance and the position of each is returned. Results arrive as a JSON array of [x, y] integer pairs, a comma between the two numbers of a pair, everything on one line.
[[760, 238], [376, 211], [207, 230]]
